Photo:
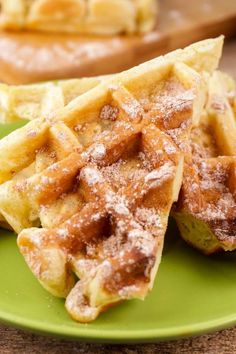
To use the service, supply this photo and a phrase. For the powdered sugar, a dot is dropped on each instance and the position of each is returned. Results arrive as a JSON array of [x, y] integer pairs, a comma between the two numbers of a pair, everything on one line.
[[171, 100], [85, 266], [47, 180], [149, 218], [161, 175], [117, 203], [109, 112], [96, 216], [91, 176], [63, 232], [128, 291], [169, 148], [142, 240], [97, 151], [132, 108], [35, 238], [105, 269]]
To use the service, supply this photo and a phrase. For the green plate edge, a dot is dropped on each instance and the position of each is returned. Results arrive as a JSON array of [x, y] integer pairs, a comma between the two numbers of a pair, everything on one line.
[[189, 264]]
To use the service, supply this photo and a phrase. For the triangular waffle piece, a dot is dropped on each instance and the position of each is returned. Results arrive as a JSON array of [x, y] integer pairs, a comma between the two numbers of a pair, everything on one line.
[[34, 101], [206, 211], [80, 16], [101, 179], [114, 241]]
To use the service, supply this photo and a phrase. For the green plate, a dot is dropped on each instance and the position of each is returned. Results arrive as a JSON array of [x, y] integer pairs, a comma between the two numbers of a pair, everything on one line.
[[193, 294]]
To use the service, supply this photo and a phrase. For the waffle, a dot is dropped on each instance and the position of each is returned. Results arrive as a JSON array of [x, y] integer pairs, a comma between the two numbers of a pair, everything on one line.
[[104, 17], [34, 101], [100, 177], [206, 211]]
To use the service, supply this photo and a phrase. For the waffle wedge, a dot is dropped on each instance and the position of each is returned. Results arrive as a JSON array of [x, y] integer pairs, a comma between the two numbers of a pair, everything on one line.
[[206, 211], [104, 17], [100, 177]]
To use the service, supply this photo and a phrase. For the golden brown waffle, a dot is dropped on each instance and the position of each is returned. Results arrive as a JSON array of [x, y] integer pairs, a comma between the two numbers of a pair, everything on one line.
[[113, 241], [81, 16], [34, 101], [100, 178], [206, 211]]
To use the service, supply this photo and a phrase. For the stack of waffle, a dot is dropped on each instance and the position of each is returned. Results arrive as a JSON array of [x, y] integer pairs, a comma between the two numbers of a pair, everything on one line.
[[89, 186], [80, 16]]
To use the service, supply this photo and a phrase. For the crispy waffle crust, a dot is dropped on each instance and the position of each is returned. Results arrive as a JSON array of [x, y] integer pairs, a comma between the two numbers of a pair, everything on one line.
[[38, 100], [100, 177], [206, 211], [80, 16]]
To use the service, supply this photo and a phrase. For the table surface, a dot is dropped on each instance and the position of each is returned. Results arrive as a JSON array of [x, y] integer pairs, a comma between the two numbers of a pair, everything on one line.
[[13, 341]]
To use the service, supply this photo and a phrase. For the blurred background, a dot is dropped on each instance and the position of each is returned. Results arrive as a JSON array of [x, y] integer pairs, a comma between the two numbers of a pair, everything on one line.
[[32, 56]]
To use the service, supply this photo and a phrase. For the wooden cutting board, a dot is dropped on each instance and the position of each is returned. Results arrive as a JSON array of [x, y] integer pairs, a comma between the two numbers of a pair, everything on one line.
[[31, 57]]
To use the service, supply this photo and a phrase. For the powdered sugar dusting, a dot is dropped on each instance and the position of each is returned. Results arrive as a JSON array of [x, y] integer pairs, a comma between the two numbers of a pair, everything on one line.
[[117, 203], [109, 112], [35, 238], [169, 148], [63, 233], [47, 180], [91, 176], [169, 101], [142, 240], [161, 175], [150, 219], [97, 151], [128, 291], [132, 108]]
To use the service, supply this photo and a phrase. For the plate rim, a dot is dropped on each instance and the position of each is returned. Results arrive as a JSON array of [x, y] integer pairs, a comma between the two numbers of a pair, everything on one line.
[[118, 336]]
